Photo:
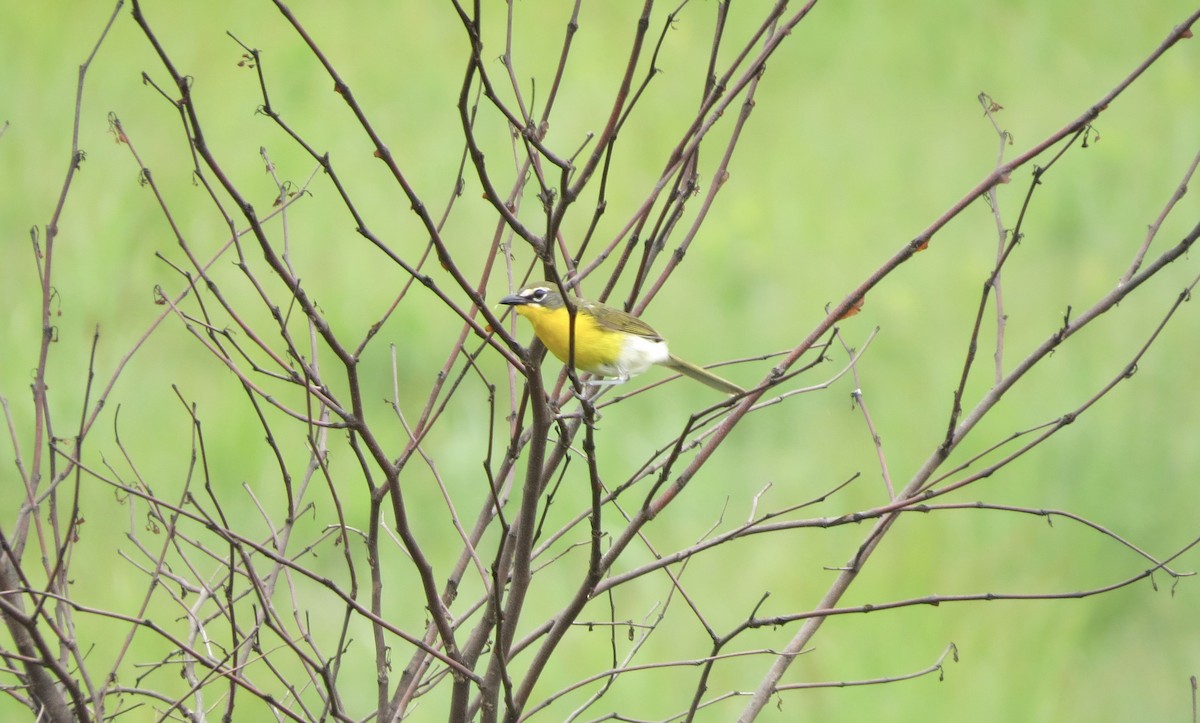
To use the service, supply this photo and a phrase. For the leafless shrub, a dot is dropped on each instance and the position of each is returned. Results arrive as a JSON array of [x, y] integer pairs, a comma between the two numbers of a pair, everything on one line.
[[264, 607]]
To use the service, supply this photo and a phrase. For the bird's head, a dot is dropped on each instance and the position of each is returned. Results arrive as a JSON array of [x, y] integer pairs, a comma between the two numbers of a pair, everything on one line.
[[539, 298]]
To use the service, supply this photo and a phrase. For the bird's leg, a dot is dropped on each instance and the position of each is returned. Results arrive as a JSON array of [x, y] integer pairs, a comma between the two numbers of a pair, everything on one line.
[[581, 396], [619, 379]]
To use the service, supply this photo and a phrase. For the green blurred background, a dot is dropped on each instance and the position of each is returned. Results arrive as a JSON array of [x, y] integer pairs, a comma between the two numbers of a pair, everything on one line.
[[866, 129]]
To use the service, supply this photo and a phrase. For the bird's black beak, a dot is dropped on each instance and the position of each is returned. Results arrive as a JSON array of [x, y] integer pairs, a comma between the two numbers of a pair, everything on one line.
[[514, 300]]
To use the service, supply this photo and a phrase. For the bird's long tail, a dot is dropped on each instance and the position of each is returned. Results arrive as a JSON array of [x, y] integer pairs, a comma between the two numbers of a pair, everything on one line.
[[702, 375]]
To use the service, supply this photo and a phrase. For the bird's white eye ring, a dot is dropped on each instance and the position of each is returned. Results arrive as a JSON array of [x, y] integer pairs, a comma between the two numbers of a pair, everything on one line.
[[538, 294]]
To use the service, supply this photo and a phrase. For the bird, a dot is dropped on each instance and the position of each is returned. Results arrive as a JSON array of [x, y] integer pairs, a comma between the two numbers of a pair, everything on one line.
[[608, 342]]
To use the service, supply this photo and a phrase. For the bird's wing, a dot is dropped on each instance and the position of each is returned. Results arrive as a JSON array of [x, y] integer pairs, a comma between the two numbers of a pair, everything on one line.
[[617, 320]]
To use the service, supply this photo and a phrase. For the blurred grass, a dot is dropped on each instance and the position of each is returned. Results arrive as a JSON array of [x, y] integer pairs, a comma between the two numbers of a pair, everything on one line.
[[866, 128]]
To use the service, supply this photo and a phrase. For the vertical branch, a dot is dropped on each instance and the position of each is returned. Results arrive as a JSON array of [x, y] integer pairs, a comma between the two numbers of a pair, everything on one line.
[[990, 109], [46, 677]]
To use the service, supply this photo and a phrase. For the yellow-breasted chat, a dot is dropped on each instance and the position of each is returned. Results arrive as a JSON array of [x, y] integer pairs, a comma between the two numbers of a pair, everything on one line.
[[608, 341]]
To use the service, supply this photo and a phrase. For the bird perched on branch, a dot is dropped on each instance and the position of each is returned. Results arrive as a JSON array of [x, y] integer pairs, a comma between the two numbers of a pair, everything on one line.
[[608, 341]]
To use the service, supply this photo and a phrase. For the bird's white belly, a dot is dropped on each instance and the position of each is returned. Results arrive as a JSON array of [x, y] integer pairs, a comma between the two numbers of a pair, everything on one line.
[[638, 355]]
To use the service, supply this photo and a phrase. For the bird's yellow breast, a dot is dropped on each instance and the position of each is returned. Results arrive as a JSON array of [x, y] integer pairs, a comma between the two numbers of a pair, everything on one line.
[[597, 350]]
